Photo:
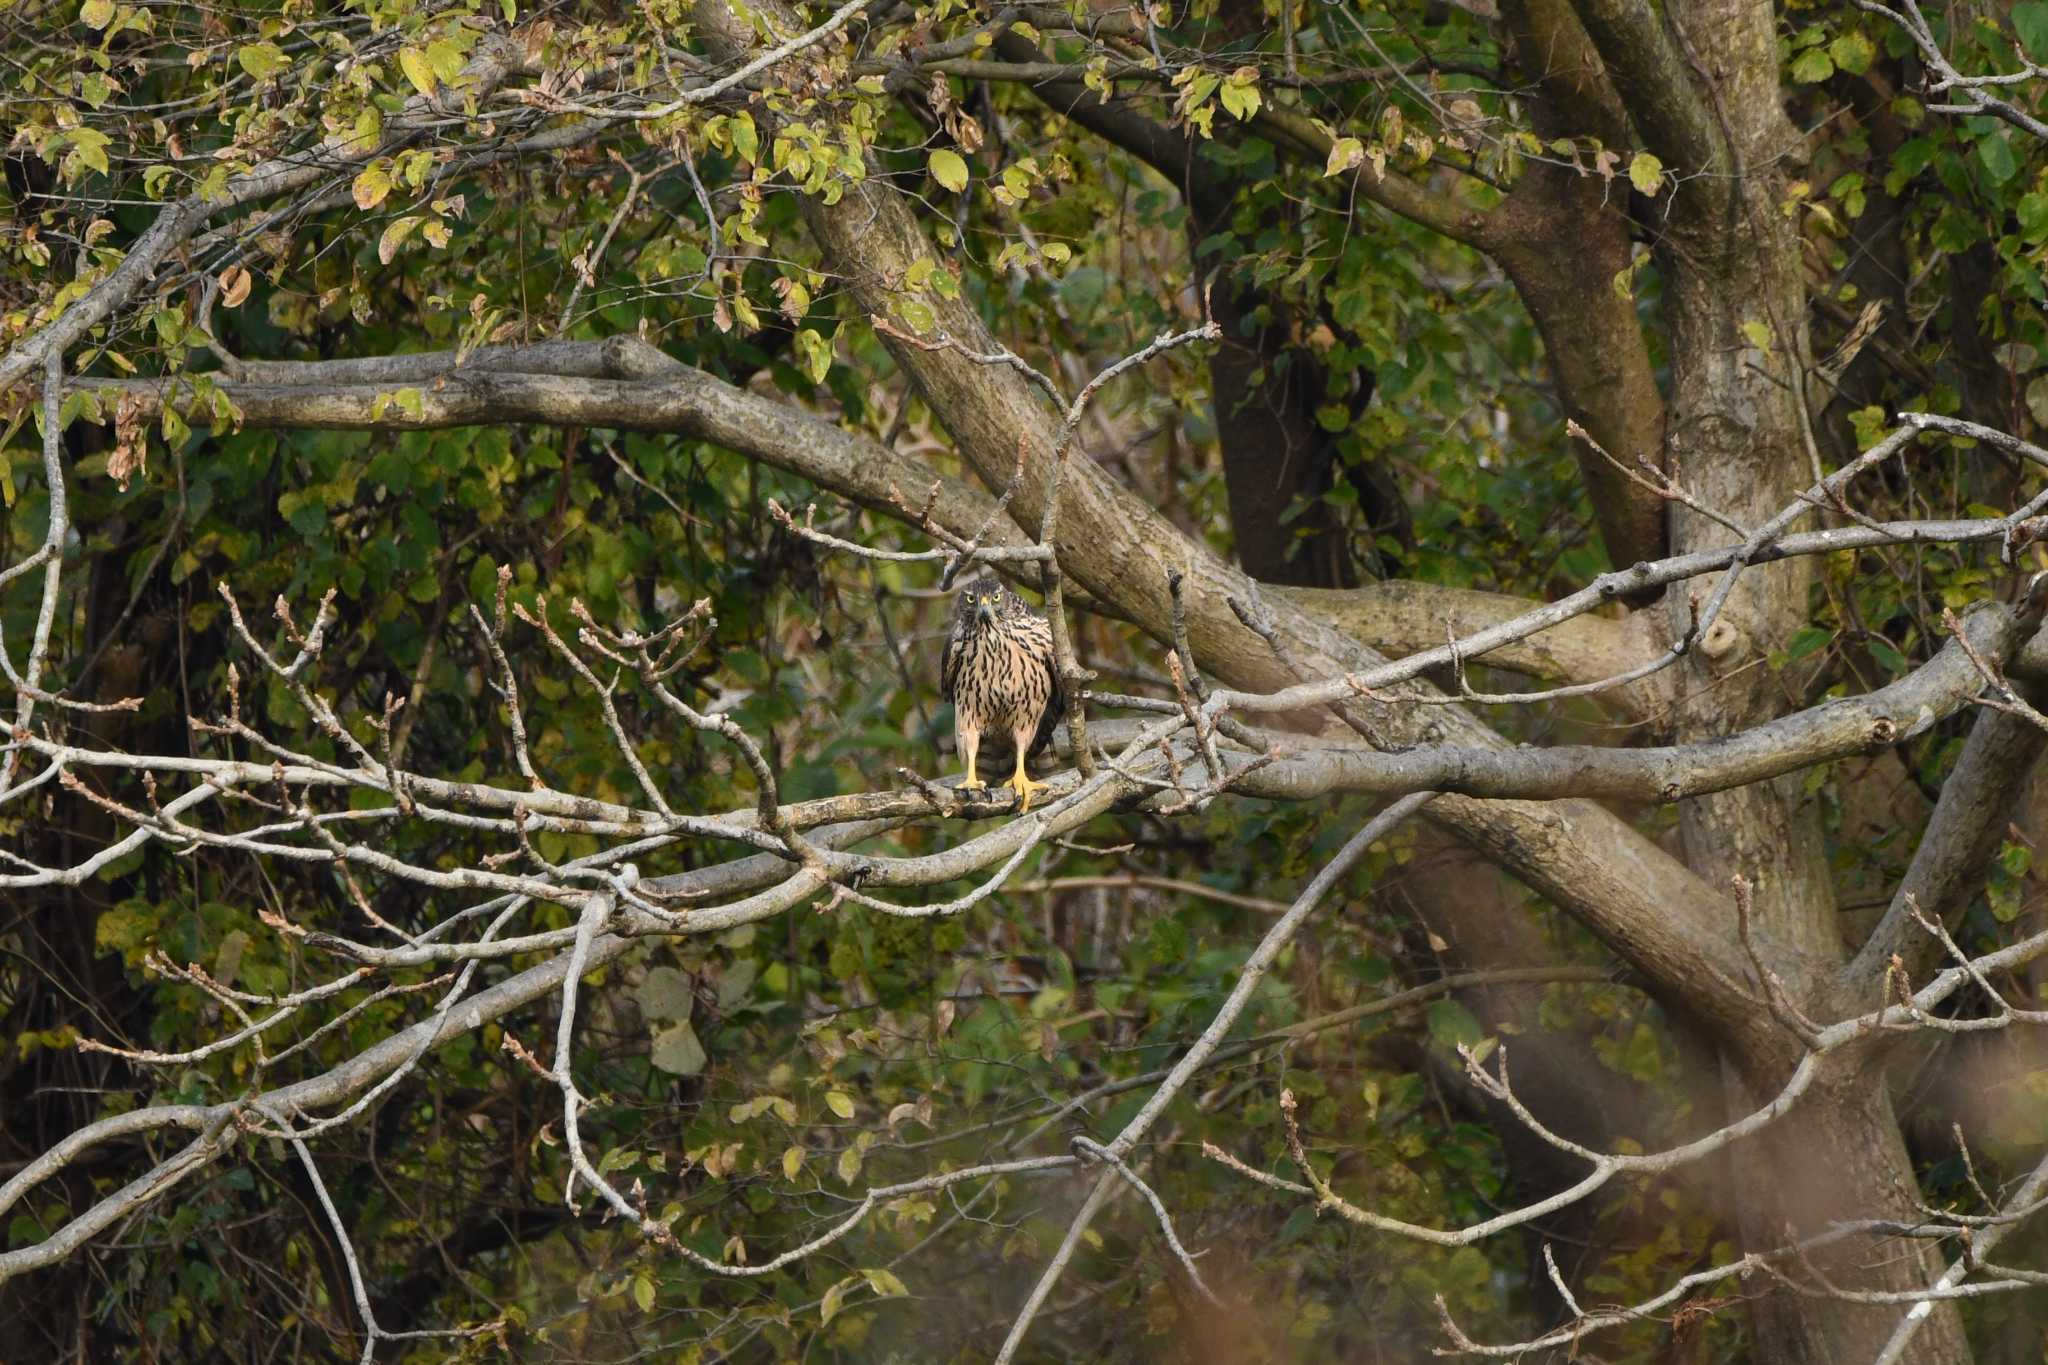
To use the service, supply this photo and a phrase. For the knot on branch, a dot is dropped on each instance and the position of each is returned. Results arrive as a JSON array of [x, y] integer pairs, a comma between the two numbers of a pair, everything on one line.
[[1722, 643]]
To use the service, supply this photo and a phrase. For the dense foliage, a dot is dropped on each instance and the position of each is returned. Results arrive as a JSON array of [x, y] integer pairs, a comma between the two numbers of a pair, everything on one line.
[[755, 1083]]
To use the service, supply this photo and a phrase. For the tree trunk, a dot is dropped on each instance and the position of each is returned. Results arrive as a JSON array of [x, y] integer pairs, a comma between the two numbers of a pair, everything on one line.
[[1739, 443], [1838, 1157]]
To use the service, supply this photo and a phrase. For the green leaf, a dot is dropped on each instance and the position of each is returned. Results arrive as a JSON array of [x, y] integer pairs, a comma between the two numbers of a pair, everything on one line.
[[677, 1051], [816, 353], [1812, 65], [1853, 53], [2032, 212], [1995, 154], [949, 170], [1806, 641], [917, 314], [1646, 173], [1450, 1023], [665, 994], [127, 926], [263, 60], [2005, 901], [643, 1293], [2037, 400], [2030, 22]]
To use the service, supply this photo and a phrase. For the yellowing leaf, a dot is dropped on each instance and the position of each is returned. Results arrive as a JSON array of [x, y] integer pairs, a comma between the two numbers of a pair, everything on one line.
[[371, 185], [1758, 335], [446, 60], [1240, 93], [262, 59], [368, 132], [413, 63], [745, 139], [96, 14], [1646, 172], [1345, 153], [885, 1283], [394, 237], [643, 1293], [949, 169], [89, 145], [792, 1162], [817, 360], [677, 1051], [828, 1307], [840, 1103]]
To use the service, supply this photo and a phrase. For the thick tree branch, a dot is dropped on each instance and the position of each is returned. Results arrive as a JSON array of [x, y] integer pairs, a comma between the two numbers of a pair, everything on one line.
[[1650, 71], [1564, 239], [1969, 821], [625, 384]]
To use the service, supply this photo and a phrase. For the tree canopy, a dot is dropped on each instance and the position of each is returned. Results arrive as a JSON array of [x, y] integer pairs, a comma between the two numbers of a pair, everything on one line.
[[1540, 508]]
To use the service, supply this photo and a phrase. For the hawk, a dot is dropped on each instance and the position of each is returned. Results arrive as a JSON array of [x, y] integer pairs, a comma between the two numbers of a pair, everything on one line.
[[1000, 675]]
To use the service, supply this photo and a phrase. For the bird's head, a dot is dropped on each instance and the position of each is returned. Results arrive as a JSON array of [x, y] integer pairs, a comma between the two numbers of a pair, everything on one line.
[[984, 600]]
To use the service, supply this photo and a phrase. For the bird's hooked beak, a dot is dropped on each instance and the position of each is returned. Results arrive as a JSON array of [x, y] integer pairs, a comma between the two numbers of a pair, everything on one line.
[[985, 611]]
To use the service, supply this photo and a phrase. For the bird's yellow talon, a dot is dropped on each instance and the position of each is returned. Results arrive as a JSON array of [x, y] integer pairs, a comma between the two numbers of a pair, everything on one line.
[[1024, 787]]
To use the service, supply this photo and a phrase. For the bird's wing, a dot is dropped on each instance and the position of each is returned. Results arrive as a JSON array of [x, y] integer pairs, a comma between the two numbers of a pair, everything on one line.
[[949, 666], [1056, 699]]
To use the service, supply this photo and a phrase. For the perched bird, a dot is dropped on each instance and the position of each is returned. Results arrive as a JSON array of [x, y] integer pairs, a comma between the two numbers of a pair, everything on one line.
[[1000, 675]]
